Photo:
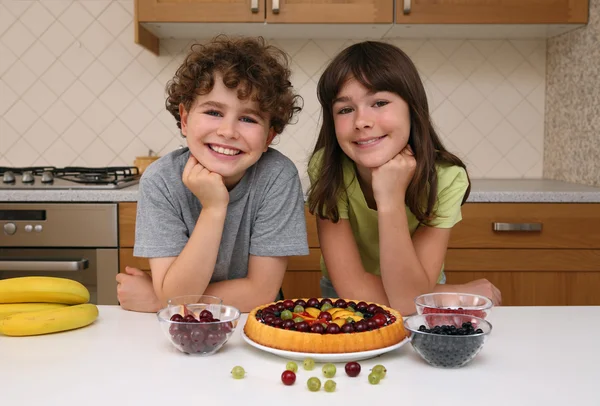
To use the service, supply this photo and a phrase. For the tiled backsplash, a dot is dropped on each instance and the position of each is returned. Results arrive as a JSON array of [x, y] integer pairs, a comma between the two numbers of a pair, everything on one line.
[[76, 90]]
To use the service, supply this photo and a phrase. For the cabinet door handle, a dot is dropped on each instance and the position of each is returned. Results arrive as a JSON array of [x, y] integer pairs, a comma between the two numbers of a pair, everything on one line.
[[532, 227], [254, 6], [275, 7], [407, 6]]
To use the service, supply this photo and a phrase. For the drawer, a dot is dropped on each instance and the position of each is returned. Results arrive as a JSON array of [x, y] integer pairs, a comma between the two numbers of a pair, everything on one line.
[[550, 226], [522, 260]]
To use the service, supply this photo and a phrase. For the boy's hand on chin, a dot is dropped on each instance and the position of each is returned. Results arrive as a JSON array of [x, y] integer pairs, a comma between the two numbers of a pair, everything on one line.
[[391, 179], [207, 186]]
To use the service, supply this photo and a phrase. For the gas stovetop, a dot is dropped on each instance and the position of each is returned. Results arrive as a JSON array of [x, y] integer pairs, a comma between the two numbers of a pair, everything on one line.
[[48, 178]]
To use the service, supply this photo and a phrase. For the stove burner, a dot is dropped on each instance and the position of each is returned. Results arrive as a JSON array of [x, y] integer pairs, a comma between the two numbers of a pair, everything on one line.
[[100, 176], [107, 177]]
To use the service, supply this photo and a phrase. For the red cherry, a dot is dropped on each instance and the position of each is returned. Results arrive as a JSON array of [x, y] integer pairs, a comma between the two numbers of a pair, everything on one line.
[[347, 328], [333, 329], [380, 319], [313, 302], [326, 300], [288, 377], [352, 369], [317, 328], [341, 303], [190, 319], [303, 327], [300, 302], [325, 316], [206, 314], [177, 317]]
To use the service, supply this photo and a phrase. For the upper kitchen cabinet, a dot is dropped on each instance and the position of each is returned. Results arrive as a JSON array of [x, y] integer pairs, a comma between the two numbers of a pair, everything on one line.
[[492, 12], [194, 11], [166, 18], [330, 11], [482, 19]]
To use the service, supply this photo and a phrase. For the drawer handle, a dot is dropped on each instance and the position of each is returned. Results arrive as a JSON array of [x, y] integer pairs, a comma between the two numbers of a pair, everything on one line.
[[407, 7], [254, 6], [275, 7], [533, 227]]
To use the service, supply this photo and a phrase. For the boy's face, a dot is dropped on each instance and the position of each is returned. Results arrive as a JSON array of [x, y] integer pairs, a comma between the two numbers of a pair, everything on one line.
[[225, 134], [371, 128]]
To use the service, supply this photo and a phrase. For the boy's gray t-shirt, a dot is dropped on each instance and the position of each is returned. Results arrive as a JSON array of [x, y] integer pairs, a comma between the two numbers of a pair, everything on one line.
[[265, 215]]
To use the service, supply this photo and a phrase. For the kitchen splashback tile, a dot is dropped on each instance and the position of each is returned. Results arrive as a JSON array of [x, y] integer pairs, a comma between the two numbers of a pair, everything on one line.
[[57, 38], [7, 58], [39, 97], [19, 77], [57, 7], [18, 38], [76, 18], [37, 58], [37, 19], [486, 97], [40, 136], [7, 97]]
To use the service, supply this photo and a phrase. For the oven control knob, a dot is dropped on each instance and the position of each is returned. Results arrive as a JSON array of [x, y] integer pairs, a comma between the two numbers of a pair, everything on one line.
[[47, 177], [38, 228], [27, 177], [10, 228], [28, 228], [8, 177]]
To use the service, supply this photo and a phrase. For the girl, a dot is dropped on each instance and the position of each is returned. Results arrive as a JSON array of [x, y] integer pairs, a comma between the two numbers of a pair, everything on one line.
[[386, 191]]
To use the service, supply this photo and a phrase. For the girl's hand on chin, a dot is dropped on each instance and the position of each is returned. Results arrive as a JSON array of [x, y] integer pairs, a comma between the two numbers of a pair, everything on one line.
[[207, 186], [391, 179]]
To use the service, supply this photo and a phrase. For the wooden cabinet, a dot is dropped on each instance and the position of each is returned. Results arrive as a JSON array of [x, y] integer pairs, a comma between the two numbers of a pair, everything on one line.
[[536, 254], [213, 11], [330, 11], [555, 263], [491, 12]]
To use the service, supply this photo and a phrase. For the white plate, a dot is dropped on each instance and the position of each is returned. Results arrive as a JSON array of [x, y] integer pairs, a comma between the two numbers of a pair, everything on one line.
[[319, 357]]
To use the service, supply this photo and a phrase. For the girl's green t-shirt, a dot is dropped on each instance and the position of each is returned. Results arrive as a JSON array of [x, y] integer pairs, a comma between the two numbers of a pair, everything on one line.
[[352, 206]]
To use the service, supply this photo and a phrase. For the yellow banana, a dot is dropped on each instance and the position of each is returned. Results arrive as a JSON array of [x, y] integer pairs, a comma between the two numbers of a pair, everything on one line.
[[49, 321], [42, 289], [6, 309]]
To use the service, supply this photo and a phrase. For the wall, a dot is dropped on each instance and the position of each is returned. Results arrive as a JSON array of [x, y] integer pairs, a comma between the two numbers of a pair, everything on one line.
[[572, 144], [76, 90]]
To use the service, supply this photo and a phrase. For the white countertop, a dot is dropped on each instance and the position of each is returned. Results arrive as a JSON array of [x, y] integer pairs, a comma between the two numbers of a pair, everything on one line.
[[534, 356], [482, 190]]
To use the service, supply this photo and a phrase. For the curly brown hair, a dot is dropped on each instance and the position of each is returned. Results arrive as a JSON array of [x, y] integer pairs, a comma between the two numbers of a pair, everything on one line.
[[257, 70]]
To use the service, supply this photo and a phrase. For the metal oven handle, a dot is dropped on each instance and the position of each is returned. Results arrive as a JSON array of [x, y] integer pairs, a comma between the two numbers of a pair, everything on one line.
[[44, 265]]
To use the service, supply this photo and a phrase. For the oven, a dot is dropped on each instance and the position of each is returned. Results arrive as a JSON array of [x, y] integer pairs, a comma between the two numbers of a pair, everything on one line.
[[77, 241]]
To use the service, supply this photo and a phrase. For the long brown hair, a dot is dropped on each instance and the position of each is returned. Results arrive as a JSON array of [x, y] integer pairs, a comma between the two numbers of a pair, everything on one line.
[[379, 67]]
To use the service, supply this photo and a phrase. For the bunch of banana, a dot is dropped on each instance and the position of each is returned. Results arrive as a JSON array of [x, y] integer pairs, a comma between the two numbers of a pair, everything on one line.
[[34, 305]]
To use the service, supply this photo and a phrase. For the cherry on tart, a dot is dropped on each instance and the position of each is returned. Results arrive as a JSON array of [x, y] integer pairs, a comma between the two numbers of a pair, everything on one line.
[[325, 326]]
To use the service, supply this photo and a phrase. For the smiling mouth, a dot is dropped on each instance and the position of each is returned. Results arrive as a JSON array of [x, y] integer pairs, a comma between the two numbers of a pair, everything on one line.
[[224, 151], [369, 141]]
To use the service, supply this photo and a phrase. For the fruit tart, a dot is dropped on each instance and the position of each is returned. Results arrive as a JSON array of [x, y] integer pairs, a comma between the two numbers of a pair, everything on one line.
[[324, 326]]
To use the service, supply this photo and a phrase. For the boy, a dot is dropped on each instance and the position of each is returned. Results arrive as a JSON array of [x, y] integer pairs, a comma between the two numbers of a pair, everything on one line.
[[221, 216]]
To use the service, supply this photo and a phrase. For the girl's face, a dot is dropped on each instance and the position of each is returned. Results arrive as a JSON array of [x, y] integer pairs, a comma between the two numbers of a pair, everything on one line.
[[371, 128]]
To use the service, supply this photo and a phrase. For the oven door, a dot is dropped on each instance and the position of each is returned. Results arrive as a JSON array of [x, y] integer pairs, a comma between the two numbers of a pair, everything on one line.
[[96, 269]]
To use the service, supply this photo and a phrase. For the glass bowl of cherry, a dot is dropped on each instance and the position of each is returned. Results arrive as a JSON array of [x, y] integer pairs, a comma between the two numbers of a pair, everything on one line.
[[455, 303], [198, 324], [447, 340]]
